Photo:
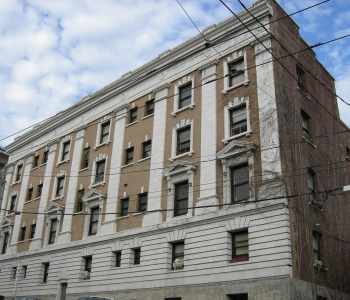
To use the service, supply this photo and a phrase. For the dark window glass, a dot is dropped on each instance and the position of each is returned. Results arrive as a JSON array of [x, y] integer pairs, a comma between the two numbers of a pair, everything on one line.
[[5, 242], [94, 220], [60, 186], [32, 230], [183, 140], [137, 256], [146, 149], [132, 115], [19, 172], [46, 267], [149, 107], [240, 183], [306, 126], [13, 203], [316, 245], [65, 151], [236, 72], [124, 207], [24, 271], [142, 203], [117, 258], [321, 298], [30, 194], [85, 158], [311, 181], [100, 171], [238, 297], [45, 157], [36, 161], [129, 155], [300, 76], [88, 266], [181, 198], [105, 132], [79, 203], [22, 233], [39, 190], [52, 232], [238, 120], [14, 272], [185, 95], [240, 246], [178, 255]]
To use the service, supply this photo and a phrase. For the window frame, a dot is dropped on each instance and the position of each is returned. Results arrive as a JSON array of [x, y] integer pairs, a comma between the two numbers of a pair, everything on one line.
[[79, 203], [30, 193], [52, 234], [87, 265], [234, 185], [19, 172], [104, 136], [94, 222], [240, 296], [13, 203], [149, 108], [306, 125], [85, 158], [45, 157], [22, 233], [231, 76], [176, 212], [24, 271], [181, 99], [145, 151], [36, 159], [32, 231], [97, 173], [239, 257], [133, 115], [5, 242], [317, 251], [136, 256], [234, 125], [174, 256], [39, 190], [301, 79], [59, 190], [117, 258], [129, 151], [45, 274], [179, 146], [142, 204], [65, 152], [122, 207]]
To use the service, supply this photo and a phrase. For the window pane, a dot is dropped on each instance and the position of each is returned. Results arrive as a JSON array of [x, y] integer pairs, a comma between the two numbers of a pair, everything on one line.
[[240, 188], [183, 140], [181, 198], [238, 120], [185, 95]]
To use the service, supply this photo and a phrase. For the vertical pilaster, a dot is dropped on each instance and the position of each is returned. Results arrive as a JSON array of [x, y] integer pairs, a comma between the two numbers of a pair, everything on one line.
[[109, 225], [22, 196], [40, 221], [208, 195], [4, 203], [65, 234], [157, 158]]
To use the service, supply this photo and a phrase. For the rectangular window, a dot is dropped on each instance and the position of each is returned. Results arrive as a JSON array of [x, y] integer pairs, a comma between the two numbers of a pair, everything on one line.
[[181, 198], [45, 157], [146, 149], [14, 273], [132, 115], [87, 266], [24, 271], [238, 120], [183, 140], [240, 183], [240, 251], [238, 297], [19, 173], [35, 161], [13, 203], [300, 76], [129, 155], [316, 245], [93, 226], [178, 255], [45, 267], [30, 194], [65, 151], [32, 230], [104, 135], [117, 258], [60, 186], [52, 232], [149, 107], [124, 207], [22, 233], [185, 95], [142, 202], [236, 72], [79, 202], [100, 171], [311, 181], [306, 125], [137, 255], [85, 158], [39, 190], [5, 242]]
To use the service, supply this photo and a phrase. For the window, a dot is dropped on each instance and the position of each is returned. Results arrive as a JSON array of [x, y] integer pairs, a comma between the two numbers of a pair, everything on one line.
[[238, 120], [87, 266], [129, 155], [183, 140], [124, 207], [19, 173], [185, 95], [347, 153], [22, 233], [46, 267], [240, 246], [30, 194], [65, 151], [104, 135], [32, 230], [236, 72], [137, 255], [117, 258], [181, 198], [142, 202], [5, 242], [239, 183], [100, 171], [149, 107], [14, 273], [45, 157], [300, 77], [306, 126], [24, 271], [132, 115], [311, 181], [316, 245], [13, 203], [36, 161], [146, 149], [39, 190], [59, 186], [85, 158], [178, 255], [238, 297], [320, 298], [79, 202], [52, 232], [94, 216]]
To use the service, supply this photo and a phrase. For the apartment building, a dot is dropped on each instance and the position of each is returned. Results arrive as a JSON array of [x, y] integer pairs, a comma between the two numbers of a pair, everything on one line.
[[208, 173]]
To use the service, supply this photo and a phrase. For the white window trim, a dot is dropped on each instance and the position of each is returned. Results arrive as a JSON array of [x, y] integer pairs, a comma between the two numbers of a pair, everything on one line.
[[99, 131], [99, 157], [9, 202], [65, 139], [21, 162], [3, 229], [50, 218], [178, 85], [88, 206], [235, 56], [59, 175], [181, 124], [236, 102]]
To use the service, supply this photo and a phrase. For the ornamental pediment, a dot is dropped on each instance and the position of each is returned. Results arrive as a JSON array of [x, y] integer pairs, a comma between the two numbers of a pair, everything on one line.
[[54, 207], [93, 195], [179, 167], [235, 148]]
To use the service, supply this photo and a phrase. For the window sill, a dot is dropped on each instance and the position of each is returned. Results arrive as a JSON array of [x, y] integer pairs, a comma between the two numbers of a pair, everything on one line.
[[43, 164], [102, 183], [16, 182], [129, 164], [190, 153], [247, 134], [133, 123], [143, 159], [62, 162], [244, 83], [103, 144], [191, 106], [123, 217], [139, 213], [57, 198], [36, 168], [148, 116], [84, 169]]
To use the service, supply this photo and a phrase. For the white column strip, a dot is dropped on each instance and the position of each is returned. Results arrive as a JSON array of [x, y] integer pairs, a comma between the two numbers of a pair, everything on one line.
[[8, 180]]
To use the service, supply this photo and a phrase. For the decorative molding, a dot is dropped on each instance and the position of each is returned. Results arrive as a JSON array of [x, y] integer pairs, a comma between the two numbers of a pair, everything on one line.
[[177, 235], [238, 223]]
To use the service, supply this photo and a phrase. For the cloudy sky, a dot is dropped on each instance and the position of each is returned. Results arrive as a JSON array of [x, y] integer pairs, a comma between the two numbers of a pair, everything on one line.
[[53, 52]]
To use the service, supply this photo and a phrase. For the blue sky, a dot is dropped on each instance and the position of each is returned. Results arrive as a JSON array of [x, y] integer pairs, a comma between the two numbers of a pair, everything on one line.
[[53, 52]]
